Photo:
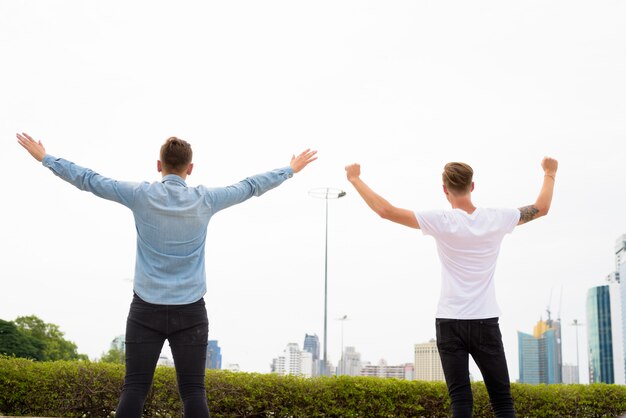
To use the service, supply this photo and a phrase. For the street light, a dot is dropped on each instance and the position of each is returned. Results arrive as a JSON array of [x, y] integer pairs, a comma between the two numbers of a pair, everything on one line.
[[326, 193], [577, 324]]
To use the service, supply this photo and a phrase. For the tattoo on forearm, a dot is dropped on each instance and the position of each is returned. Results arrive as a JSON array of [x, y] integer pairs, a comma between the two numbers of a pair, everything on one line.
[[528, 213]]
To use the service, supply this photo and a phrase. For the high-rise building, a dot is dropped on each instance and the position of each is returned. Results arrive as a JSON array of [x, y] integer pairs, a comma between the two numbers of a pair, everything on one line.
[[600, 335], [540, 358], [382, 369], [570, 374], [293, 361], [620, 276], [213, 355], [312, 345], [427, 362], [350, 363]]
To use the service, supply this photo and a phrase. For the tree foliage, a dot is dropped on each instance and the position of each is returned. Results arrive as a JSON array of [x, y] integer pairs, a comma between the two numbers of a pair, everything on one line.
[[114, 355], [15, 342], [31, 337]]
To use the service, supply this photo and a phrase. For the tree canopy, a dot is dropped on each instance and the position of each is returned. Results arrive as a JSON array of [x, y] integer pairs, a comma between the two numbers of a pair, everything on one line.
[[31, 337]]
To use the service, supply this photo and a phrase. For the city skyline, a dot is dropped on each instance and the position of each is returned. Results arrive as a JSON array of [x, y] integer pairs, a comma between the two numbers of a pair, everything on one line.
[[401, 88]]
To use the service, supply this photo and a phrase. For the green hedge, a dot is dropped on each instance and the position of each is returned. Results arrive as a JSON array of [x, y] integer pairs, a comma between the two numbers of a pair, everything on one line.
[[75, 389]]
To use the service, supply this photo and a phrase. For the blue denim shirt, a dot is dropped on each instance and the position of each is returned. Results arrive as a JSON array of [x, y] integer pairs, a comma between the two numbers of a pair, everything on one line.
[[171, 221]]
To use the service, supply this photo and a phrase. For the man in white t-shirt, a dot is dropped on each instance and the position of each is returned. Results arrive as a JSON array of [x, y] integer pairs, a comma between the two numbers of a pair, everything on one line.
[[468, 241]]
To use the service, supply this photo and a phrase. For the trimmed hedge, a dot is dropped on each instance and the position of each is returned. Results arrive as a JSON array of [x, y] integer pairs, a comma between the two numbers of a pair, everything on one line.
[[78, 388]]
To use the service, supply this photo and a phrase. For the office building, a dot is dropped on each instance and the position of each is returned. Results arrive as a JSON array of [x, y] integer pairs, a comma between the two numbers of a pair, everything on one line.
[[383, 370], [570, 374], [600, 335], [427, 364], [619, 316], [350, 363], [213, 355], [312, 345], [540, 357], [293, 361]]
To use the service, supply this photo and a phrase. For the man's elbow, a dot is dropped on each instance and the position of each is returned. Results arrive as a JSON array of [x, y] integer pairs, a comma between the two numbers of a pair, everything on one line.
[[384, 212], [542, 210]]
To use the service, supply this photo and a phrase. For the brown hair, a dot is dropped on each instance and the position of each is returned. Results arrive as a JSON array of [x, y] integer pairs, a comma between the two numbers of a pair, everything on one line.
[[457, 177], [176, 154]]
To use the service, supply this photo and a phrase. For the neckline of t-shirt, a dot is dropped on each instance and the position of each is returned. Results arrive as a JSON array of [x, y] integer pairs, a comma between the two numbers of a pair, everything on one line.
[[471, 215]]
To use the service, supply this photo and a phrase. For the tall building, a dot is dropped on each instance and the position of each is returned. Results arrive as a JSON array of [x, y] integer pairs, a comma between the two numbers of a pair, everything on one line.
[[382, 369], [570, 374], [600, 335], [293, 361], [620, 276], [540, 357], [312, 345], [350, 363], [213, 355], [427, 362]]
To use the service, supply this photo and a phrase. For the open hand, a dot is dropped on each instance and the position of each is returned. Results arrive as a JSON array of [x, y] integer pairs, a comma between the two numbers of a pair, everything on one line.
[[34, 148], [298, 163]]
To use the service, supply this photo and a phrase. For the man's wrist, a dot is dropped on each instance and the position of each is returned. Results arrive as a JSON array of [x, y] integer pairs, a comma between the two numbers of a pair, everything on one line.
[[550, 175]]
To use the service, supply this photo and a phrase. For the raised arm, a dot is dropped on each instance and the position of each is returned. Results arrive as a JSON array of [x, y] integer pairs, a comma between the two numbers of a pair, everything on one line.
[[34, 148], [377, 203], [80, 177], [544, 200], [224, 197]]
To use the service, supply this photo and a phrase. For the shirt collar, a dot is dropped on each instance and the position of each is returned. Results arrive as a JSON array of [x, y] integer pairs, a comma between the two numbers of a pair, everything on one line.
[[173, 178]]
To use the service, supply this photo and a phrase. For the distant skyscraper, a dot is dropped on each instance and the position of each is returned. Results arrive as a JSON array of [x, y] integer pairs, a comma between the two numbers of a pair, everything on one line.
[[312, 345], [293, 361], [540, 358], [617, 329], [620, 275], [570, 374], [350, 363], [600, 335], [427, 362], [382, 369], [213, 355]]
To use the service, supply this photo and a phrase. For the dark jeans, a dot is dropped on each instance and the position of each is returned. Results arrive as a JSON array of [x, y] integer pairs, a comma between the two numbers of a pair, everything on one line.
[[148, 326], [456, 340]]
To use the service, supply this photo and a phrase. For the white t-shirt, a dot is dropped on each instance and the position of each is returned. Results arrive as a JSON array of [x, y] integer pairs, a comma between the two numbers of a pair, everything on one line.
[[468, 247]]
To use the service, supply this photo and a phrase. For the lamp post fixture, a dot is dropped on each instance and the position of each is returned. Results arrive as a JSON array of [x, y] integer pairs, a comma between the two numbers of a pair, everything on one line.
[[577, 324], [326, 193]]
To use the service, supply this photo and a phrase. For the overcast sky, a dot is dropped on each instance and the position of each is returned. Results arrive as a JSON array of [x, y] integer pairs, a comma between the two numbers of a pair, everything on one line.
[[401, 87]]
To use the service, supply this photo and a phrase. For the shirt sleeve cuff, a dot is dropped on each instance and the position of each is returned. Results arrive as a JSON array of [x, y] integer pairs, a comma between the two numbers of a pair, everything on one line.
[[47, 160]]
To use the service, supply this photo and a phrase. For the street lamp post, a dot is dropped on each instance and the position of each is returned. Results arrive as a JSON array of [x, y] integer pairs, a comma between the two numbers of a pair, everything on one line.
[[577, 324], [326, 193]]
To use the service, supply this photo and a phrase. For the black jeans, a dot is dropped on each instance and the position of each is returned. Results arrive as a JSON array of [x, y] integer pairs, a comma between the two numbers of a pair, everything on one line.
[[148, 326], [456, 340]]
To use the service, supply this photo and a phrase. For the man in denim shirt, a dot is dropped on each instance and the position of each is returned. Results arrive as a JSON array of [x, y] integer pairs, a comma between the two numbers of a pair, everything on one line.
[[170, 280]]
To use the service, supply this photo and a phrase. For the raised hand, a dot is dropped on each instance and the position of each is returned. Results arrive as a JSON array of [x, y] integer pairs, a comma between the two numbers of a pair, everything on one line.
[[353, 172], [302, 160], [549, 165], [34, 148]]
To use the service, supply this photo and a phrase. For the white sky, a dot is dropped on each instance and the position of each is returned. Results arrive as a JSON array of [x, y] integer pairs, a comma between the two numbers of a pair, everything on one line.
[[401, 87]]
